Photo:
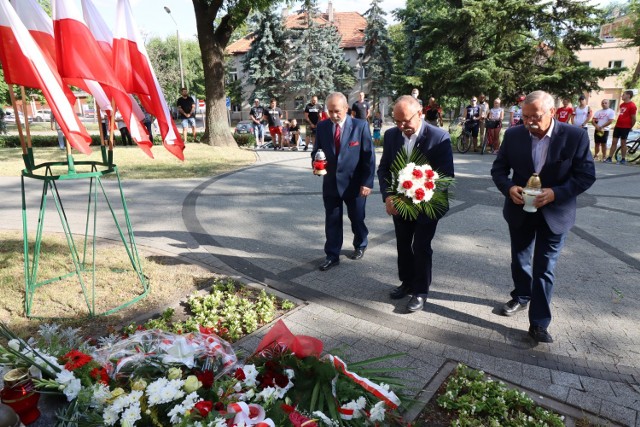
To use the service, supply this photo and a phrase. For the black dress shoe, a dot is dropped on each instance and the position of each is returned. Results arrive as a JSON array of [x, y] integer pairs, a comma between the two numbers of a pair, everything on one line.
[[512, 307], [400, 292], [416, 303], [358, 253], [540, 334], [328, 264]]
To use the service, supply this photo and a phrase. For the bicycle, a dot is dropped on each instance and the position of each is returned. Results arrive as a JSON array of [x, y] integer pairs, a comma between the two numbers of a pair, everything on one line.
[[464, 139], [633, 151], [487, 142]]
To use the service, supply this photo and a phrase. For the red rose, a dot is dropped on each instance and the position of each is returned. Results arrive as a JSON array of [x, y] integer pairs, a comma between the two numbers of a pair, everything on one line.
[[206, 378], [218, 406], [419, 194], [430, 185], [204, 407], [417, 173], [239, 375], [407, 184], [281, 380]]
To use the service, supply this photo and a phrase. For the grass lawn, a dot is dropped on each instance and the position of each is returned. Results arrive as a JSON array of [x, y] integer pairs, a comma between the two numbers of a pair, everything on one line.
[[201, 160]]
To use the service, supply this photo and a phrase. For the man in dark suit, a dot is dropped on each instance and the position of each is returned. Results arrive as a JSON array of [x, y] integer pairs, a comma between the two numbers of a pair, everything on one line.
[[413, 238], [560, 154], [350, 168]]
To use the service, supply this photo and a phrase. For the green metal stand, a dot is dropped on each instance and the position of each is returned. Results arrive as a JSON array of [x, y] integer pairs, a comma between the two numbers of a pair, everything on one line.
[[82, 262]]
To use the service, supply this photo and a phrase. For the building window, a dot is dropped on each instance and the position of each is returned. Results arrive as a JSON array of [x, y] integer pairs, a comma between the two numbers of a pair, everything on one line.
[[615, 64], [587, 63], [612, 104], [232, 76]]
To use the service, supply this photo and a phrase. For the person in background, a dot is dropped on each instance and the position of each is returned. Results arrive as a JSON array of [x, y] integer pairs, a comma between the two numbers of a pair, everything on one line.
[[583, 114], [104, 122], [416, 93], [294, 133], [361, 108], [433, 113], [472, 123], [256, 114], [564, 114], [187, 114], [312, 114], [494, 124], [274, 119], [602, 119], [626, 121], [61, 138], [515, 112], [484, 110], [147, 121], [125, 135], [286, 136], [377, 128]]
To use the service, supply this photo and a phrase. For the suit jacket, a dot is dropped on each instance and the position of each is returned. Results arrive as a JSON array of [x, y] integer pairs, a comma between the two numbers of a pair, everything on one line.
[[433, 142], [568, 171], [355, 165]]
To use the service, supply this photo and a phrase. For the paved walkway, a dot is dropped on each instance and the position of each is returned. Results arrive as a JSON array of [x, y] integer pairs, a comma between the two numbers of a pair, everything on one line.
[[265, 223]]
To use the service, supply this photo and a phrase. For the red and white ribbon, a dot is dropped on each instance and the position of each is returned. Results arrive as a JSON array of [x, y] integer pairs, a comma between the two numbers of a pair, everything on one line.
[[249, 415], [388, 397]]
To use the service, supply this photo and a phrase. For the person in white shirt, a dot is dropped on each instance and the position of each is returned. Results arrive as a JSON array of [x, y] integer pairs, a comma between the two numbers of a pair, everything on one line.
[[494, 124], [601, 120], [583, 114]]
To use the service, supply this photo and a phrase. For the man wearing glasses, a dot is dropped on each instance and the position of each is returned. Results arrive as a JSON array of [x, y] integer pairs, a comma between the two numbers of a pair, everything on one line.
[[560, 154], [413, 238]]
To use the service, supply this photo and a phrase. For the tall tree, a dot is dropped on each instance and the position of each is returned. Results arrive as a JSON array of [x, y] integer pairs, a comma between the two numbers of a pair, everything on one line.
[[377, 52], [504, 47], [216, 21], [342, 73], [630, 31], [267, 62]]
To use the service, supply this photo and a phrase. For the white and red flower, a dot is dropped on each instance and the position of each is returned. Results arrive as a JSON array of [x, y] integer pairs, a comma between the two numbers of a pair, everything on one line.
[[417, 182]]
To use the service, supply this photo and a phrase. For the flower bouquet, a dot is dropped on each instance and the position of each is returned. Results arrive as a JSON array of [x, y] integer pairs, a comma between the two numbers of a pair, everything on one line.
[[153, 378], [416, 188]]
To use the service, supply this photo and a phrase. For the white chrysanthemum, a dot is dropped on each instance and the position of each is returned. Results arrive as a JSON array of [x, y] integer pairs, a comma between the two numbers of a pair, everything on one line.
[[357, 406], [164, 391], [250, 373], [131, 415], [100, 395], [377, 412], [175, 414], [109, 417], [218, 422]]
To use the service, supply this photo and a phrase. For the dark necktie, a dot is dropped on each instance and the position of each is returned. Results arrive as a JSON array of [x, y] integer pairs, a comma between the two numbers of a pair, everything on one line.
[[336, 139]]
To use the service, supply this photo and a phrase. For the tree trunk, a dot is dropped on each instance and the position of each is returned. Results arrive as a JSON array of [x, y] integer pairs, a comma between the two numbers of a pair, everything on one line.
[[212, 44]]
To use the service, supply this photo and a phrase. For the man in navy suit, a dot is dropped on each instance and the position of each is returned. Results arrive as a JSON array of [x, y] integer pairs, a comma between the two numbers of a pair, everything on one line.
[[413, 238], [351, 165], [560, 154]]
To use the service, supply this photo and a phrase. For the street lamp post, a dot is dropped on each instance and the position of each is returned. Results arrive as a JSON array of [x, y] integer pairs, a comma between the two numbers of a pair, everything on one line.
[[179, 49], [360, 52]]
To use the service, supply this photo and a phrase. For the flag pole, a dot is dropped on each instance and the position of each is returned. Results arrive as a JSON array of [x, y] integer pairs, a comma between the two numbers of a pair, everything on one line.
[[26, 124], [25, 155], [103, 148], [112, 122]]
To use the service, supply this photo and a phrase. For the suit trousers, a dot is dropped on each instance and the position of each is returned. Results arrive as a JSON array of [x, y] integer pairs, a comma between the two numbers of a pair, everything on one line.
[[413, 240], [333, 207], [534, 253]]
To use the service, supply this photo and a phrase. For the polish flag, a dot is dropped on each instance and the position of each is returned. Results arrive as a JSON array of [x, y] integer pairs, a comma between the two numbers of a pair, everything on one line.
[[134, 70], [24, 64], [79, 56], [40, 27]]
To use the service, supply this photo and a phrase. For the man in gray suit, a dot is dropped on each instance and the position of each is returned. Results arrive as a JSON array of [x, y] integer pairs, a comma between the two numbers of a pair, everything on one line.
[[413, 238]]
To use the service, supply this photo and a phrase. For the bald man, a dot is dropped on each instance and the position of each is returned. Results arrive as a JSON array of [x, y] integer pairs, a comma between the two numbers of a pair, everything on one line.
[[351, 166], [413, 238]]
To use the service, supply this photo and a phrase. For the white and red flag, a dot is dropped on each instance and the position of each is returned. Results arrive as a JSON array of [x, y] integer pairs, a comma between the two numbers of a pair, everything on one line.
[[40, 26], [25, 64], [79, 56], [134, 70]]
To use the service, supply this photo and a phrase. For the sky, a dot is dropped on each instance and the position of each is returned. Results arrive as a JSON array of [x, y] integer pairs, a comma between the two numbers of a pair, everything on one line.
[[153, 21]]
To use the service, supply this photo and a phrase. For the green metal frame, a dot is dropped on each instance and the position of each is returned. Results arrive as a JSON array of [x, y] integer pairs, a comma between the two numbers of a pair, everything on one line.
[[81, 263]]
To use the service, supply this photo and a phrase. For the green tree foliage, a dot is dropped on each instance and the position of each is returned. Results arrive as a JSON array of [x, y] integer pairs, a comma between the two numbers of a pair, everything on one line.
[[266, 63], [216, 22], [163, 54], [631, 33], [377, 53], [342, 73], [500, 47]]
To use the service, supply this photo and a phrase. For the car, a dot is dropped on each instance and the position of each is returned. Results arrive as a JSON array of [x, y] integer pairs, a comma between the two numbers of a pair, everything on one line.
[[42, 116], [10, 117], [245, 127]]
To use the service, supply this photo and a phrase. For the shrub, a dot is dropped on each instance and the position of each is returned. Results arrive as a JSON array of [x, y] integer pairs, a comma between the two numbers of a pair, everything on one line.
[[247, 140]]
